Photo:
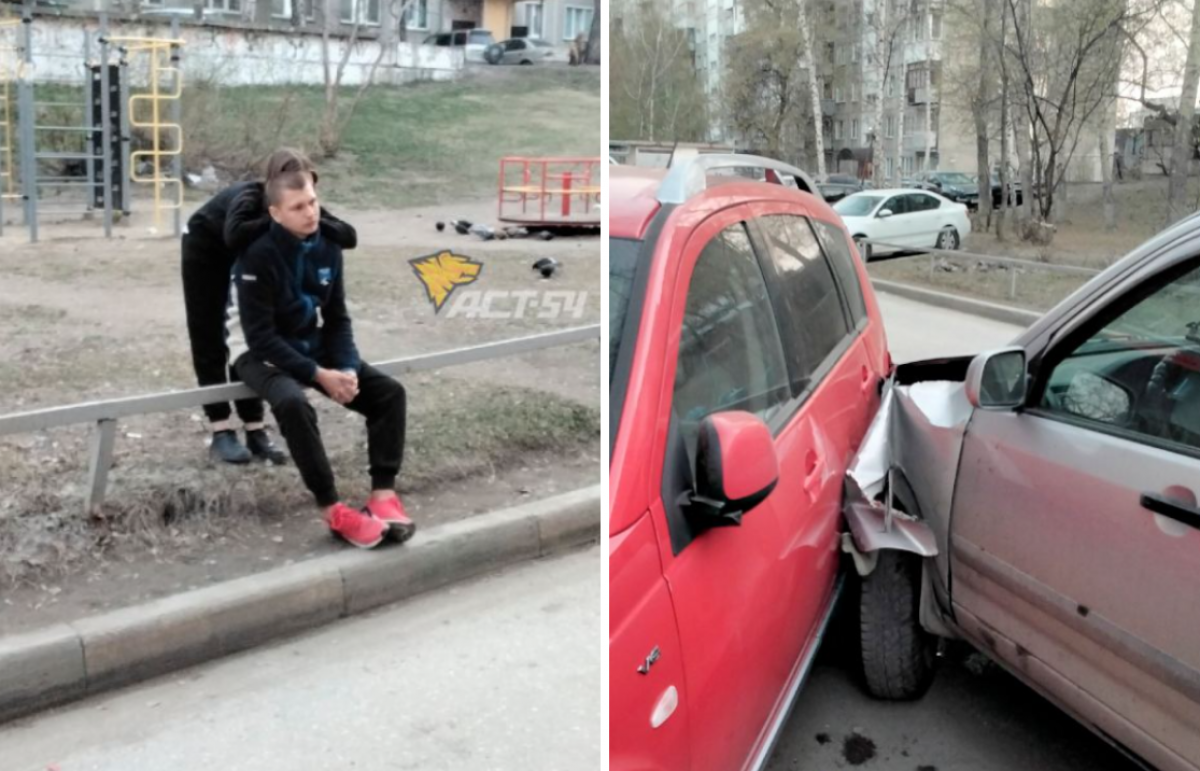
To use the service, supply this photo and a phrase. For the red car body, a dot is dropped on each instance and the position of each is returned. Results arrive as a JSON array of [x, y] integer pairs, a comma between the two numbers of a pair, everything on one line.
[[712, 629]]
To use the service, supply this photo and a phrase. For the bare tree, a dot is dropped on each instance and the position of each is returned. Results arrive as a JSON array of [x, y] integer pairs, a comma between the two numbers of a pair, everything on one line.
[[654, 91], [768, 94], [333, 120], [809, 63], [980, 106], [1065, 59], [886, 24], [591, 54], [1182, 150]]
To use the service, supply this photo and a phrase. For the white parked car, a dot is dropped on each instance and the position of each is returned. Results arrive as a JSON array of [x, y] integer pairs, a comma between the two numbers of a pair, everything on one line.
[[907, 218]]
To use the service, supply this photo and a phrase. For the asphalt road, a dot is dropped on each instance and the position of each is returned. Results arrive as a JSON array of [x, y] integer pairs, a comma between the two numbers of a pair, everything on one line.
[[976, 717], [498, 674]]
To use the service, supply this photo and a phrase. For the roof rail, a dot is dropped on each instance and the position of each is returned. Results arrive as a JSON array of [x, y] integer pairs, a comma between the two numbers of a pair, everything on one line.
[[689, 177]]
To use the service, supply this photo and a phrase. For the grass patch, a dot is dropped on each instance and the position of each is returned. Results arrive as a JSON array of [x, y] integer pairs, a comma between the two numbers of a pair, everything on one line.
[[412, 144], [1037, 290]]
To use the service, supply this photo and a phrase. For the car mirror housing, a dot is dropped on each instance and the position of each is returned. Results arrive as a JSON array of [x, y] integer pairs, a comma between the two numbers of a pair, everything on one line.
[[736, 468], [884, 213], [997, 380]]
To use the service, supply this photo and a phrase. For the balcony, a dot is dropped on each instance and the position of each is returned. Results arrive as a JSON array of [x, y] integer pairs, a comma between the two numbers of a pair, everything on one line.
[[915, 141], [921, 95], [828, 107]]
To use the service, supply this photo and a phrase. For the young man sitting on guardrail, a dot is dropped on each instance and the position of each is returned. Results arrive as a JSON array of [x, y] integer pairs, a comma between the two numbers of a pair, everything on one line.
[[295, 331], [216, 234]]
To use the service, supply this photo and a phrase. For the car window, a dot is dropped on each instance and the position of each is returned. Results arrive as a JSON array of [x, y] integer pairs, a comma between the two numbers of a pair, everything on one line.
[[730, 355], [837, 248], [808, 306], [898, 204], [513, 45], [925, 202], [1140, 372]]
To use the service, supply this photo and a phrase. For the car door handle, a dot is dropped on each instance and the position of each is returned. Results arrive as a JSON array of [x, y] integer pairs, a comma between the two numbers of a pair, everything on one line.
[[1172, 509]]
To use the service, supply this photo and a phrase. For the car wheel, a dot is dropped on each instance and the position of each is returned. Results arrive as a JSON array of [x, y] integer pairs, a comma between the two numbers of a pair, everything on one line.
[[493, 54], [526, 62], [898, 655], [864, 249], [948, 238]]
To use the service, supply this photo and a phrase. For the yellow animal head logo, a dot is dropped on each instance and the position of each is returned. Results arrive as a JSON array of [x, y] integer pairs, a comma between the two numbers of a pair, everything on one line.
[[444, 272]]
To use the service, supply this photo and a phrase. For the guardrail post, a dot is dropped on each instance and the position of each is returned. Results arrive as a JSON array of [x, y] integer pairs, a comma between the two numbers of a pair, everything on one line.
[[932, 259], [1012, 287], [101, 450]]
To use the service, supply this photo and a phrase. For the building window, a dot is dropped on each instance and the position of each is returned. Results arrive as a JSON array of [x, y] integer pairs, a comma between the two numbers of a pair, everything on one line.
[[891, 166], [837, 129], [578, 19], [359, 12], [829, 52], [837, 95], [224, 6], [890, 126], [854, 129], [282, 9], [416, 16], [529, 16], [937, 26], [857, 52]]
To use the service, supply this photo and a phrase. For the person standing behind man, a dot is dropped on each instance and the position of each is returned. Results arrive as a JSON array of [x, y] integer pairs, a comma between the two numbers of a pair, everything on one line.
[[215, 234], [293, 332]]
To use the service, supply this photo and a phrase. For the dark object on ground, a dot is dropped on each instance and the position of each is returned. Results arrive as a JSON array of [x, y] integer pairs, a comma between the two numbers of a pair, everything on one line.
[[926, 768], [857, 749], [823, 738], [441, 226], [484, 232], [516, 231], [462, 226], [546, 235], [547, 266]]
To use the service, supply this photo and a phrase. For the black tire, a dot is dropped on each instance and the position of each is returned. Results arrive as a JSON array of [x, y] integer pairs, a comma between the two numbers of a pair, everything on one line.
[[863, 249], [898, 655], [948, 239], [526, 62], [493, 53]]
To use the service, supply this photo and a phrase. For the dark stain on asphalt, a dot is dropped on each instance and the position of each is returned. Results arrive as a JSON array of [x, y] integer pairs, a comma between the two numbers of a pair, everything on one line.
[[926, 768], [857, 749], [823, 738]]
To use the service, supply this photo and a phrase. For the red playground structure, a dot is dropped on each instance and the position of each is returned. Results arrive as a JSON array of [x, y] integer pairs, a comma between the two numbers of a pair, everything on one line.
[[550, 192]]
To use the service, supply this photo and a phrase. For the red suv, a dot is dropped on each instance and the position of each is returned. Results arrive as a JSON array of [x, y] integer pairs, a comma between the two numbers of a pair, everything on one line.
[[747, 354]]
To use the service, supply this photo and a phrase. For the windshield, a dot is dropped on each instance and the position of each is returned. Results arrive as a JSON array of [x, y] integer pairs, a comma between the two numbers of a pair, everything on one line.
[[857, 205], [622, 263], [956, 179], [481, 37]]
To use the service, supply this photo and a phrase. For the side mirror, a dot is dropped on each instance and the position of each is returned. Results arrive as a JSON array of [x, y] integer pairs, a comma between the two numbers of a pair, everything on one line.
[[884, 214], [736, 468], [996, 380]]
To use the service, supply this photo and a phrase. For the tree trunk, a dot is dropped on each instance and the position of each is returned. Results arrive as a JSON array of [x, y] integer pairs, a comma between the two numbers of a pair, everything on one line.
[[1005, 187], [1183, 147], [814, 89], [931, 95], [592, 53], [882, 62], [980, 109]]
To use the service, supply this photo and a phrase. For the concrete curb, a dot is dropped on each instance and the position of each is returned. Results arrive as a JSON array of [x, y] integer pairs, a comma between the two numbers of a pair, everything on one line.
[[994, 311], [64, 662]]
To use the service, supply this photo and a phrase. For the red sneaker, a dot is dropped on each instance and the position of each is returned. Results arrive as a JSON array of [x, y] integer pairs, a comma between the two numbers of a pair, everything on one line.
[[390, 512], [355, 527]]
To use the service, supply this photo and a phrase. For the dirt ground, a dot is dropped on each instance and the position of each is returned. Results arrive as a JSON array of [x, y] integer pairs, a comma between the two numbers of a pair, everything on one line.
[[88, 318]]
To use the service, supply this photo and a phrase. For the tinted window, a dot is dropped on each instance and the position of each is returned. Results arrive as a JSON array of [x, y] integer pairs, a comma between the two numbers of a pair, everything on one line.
[[514, 45], [837, 248], [925, 202], [807, 303], [1140, 373], [899, 204], [622, 264], [730, 355]]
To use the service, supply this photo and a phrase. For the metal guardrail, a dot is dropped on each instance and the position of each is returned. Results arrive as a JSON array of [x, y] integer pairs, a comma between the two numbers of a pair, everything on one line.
[[934, 253], [105, 414]]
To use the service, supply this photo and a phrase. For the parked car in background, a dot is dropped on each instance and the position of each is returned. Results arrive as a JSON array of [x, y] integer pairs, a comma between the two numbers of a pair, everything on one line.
[[954, 185], [474, 42], [519, 50], [1015, 197], [747, 353], [906, 218], [1057, 483], [837, 186]]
